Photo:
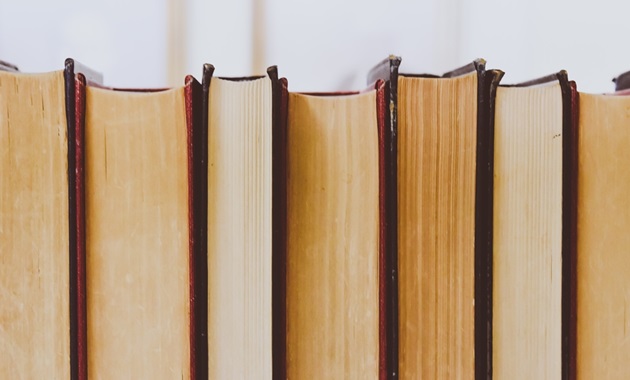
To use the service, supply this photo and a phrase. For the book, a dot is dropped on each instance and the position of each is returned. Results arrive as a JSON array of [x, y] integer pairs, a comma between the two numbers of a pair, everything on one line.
[[533, 228], [603, 350], [444, 144], [38, 223], [429, 226], [141, 316], [35, 251], [334, 259], [243, 221]]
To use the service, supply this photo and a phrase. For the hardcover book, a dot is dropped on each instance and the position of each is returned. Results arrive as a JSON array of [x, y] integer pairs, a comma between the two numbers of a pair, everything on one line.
[[603, 285], [441, 138], [245, 207], [534, 228], [39, 224], [35, 232], [335, 252], [140, 317]]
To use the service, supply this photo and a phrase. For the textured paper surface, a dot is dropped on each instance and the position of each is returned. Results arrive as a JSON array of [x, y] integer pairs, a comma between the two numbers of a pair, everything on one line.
[[138, 305], [333, 225], [34, 247], [437, 124]]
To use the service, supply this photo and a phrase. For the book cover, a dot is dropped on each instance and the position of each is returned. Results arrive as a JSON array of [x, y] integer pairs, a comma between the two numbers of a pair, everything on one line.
[[387, 71]]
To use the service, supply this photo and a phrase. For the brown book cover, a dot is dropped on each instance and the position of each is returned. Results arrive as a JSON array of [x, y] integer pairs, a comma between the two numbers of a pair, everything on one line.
[[381, 114], [77, 77], [197, 263], [622, 81], [487, 86], [6, 66], [570, 227], [280, 94]]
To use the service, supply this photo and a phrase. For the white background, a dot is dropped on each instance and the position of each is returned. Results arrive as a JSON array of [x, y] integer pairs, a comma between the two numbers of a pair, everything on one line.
[[319, 45]]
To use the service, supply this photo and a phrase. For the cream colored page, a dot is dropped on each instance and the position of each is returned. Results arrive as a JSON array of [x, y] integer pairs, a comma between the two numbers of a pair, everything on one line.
[[437, 126], [34, 248], [332, 254], [239, 229], [137, 235], [603, 260], [527, 258]]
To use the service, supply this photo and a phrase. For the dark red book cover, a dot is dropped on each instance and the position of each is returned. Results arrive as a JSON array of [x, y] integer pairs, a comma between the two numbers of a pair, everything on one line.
[[76, 76], [387, 73]]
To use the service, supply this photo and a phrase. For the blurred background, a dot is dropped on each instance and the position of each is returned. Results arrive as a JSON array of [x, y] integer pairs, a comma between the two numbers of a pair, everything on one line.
[[319, 45]]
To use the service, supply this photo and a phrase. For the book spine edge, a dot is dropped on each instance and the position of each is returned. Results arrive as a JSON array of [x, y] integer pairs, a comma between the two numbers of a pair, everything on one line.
[[488, 81], [280, 99]]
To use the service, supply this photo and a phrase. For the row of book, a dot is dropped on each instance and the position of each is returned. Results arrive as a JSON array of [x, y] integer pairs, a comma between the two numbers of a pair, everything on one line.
[[426, 227]]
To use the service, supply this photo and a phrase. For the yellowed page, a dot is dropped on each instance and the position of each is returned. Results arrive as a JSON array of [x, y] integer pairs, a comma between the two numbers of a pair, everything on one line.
[[332, 253], [603, 260], [239, 229], [437, 121], [137, 235], [527, 258], [34, 248]]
